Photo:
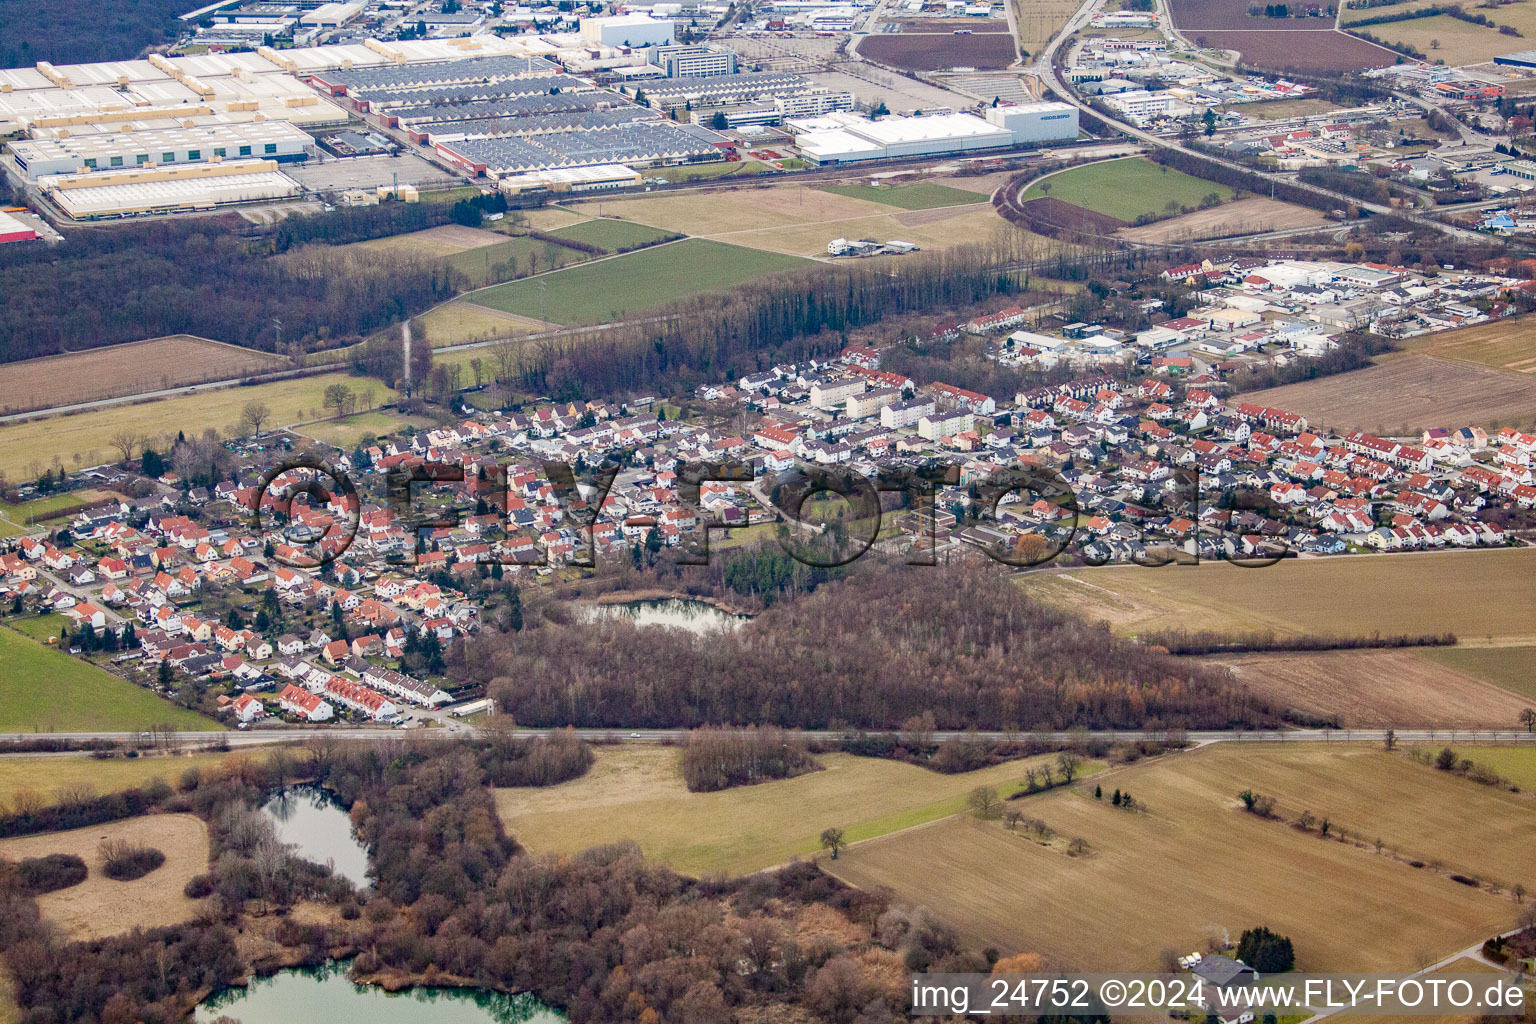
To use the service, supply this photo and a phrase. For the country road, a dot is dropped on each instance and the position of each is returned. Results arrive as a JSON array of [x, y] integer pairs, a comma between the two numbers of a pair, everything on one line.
[[1199, 738]]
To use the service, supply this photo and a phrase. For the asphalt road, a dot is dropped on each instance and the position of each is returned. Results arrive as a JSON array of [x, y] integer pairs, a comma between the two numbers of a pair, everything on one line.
[[259, 737]]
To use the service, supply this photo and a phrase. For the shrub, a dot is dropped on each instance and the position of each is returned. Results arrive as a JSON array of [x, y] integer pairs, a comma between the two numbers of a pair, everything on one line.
[[51, 873], [198, 887], [123, 861]]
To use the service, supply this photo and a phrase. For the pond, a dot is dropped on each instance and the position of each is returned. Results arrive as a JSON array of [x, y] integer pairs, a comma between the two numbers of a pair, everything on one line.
[[315, 823], [325, 995], [674, 612]]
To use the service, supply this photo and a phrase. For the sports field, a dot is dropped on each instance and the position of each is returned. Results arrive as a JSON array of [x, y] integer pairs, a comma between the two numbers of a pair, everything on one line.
[[1193, 865], [614, 235], [922, 195], [1126, 189], [603, 291], [129, 369], [99, 906], [1481, 596], [637, 792], [48, 691], [27, 448]]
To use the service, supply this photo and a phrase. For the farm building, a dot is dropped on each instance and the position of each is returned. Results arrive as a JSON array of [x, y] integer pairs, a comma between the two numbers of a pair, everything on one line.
[[270, 140], [849, 138]]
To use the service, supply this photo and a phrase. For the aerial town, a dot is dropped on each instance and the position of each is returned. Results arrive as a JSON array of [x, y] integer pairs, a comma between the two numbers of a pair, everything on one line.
[[766, 512]]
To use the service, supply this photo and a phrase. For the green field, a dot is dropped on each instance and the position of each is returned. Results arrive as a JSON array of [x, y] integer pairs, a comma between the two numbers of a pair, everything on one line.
[[604, 291], [1126, 189], [696, 172], [40, 627], [637, 792], [42, 509], [1513, 668], [360, 428], [922, 195], [46, 690], [516, 257], [614, 235]]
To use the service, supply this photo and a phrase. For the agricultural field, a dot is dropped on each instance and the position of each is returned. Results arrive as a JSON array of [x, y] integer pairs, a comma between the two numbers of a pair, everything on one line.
[[48, 776], [736, 209], [1244, 216], [49, 691], [1512, 668], [444, 240], [1508, 344], [1038, 21], [921, 195], [614, 235], [1481, 596], [1126, 189], [1219, 870], [1404, 394], [639, 280], [637, 792], [99, 907], [510, 258], [28, 447], [117, 370], [1456, 42], [460, 322], [360, 428], [1516, 763], [930, 229], [1380, 689], [1304, 50], [946, 24], [934, 51]]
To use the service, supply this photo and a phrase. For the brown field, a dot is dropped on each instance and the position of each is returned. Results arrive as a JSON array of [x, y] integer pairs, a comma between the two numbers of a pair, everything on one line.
[[1300, 50], [1049, 210], [1481, 596], [1274, 110], [1510, 668], [444, 240], [1038, 21], [52, 775], [1193, 865], [1378, 689], [117, 370], [460, 322], [742, 208], [1245, 216], [1502, 345], [1460, 42], [98, 906], [1402, 395], [915, 51]]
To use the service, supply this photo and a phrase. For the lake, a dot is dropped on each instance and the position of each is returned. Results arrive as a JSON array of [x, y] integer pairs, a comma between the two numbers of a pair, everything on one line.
[[314, 822], [673, 612], [324, 995]]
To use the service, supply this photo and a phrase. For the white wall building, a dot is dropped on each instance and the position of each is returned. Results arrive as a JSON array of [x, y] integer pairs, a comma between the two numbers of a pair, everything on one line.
[[1036, 122], [627, 30]]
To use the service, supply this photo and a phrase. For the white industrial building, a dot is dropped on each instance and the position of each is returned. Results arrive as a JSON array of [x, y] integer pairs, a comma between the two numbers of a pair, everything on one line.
[[129, 193], [634, 30], [272, 140], [570, 179], [1036, 122], [842, 138], [1140, 105]]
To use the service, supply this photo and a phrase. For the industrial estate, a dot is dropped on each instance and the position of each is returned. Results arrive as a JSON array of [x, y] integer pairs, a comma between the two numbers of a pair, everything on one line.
[[772, 512]]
